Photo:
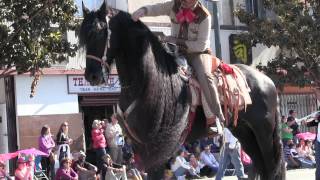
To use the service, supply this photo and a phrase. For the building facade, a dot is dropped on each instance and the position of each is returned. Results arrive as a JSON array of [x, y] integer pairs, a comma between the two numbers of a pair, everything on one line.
[[64, 95]]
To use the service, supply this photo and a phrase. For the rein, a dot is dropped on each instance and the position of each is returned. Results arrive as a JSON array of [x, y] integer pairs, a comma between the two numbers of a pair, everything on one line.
[[124, 115]]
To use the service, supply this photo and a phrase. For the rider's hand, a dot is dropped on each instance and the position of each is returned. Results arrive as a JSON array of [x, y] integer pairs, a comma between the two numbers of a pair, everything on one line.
[[138, 14]]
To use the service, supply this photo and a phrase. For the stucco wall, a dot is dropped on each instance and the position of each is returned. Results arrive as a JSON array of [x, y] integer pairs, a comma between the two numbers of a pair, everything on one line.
[[51, 96]]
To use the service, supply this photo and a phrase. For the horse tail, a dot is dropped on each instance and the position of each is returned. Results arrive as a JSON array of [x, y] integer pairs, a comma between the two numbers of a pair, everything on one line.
[[278, 148]]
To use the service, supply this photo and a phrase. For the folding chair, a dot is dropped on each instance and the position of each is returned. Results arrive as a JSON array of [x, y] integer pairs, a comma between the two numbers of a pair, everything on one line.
[[38, 172], [40, 175]]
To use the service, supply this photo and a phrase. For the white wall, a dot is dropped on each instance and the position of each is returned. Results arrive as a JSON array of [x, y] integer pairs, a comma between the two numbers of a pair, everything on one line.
[[51, 96]]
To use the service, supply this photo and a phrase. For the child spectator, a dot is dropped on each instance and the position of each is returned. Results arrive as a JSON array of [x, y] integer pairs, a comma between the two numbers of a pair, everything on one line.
[[23, 172], [46, 144]]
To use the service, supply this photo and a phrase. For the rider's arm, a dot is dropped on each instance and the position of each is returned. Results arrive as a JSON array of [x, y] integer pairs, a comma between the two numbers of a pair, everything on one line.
[[203, 40], [159, 9]]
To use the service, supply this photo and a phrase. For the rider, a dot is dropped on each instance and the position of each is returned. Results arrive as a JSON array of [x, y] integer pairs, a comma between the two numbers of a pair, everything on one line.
[[190, 30]]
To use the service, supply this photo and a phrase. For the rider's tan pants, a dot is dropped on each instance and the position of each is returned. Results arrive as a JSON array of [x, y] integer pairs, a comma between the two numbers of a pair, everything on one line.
[[202, 65]]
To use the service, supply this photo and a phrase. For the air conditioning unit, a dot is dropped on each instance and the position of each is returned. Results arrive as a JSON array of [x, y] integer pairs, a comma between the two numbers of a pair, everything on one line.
[[3, 129]]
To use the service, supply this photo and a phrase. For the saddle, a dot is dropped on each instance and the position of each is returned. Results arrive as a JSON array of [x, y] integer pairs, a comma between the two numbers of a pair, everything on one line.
[[232, 86]]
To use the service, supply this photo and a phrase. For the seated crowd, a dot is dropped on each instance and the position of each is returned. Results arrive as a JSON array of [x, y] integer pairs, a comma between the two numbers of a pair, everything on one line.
[[114, 157], [298, 152]]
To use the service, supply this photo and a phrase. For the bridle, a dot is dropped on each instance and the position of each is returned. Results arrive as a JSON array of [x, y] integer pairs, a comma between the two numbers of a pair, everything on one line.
[[105, 67], [103, 60]]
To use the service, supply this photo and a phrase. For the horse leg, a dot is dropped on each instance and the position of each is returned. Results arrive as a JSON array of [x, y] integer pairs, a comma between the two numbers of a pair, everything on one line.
[[250, 145], [156, 173], [269, 145]]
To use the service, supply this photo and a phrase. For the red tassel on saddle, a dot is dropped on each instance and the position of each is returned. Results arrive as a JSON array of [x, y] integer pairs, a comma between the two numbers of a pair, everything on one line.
[[226, 69]]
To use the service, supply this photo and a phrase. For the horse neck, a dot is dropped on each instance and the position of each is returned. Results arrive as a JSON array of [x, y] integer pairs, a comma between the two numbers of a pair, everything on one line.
[[139, 76]]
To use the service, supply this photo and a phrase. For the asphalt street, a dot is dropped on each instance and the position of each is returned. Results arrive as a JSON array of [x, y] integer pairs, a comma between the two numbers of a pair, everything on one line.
[[297, 174]]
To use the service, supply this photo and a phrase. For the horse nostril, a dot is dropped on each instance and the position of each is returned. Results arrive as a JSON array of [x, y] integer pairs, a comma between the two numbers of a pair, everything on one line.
[[93, 77]]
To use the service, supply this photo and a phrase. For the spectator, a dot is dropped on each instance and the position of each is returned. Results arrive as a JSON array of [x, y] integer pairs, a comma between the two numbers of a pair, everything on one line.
[[286, 131], [115, 139], [206, 141], [290, 156], [99, 144], [113, 171], [210, 162], [65, 172], [303, 157], [132, 171], [63, 141], [181, 167], [127, 149], [315, 122], [30, 163], [292, 123], [3, 173], [309, 150], [23, 172], [85, 170], [46, 144], [196, 165], [231, 154]]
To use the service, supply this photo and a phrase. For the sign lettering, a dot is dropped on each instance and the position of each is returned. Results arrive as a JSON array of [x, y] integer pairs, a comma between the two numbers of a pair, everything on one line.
[[77, 84]]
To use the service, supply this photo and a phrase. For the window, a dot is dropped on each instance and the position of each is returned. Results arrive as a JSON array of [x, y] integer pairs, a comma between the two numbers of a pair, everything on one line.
[[255, 7]]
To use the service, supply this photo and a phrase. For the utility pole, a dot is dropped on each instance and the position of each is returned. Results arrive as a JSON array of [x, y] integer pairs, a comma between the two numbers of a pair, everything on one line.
[[216, 26]]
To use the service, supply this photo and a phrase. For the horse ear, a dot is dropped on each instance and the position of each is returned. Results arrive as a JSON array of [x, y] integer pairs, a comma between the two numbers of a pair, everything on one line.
[[103, 9], [85, 10]]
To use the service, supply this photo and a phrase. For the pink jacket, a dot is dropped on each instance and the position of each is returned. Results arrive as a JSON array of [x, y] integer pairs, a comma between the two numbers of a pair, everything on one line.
[[98, 139]]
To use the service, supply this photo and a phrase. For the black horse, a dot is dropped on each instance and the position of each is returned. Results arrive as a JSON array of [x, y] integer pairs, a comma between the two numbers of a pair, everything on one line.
[[149, 79]]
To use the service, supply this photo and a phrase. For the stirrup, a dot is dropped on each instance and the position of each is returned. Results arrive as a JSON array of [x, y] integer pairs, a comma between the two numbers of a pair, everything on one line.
[[216, 130]]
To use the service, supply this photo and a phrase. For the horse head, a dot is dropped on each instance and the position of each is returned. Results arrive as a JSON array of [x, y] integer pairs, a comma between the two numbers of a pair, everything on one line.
[[94, 37]]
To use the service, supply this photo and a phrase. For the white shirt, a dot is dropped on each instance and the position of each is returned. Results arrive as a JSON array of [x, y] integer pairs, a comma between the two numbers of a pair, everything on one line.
[[112, 133], [180, 162], [229, 138]]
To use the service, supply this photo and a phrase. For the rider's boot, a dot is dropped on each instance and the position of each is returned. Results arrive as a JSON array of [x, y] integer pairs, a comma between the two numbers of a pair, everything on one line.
[[214, 125]]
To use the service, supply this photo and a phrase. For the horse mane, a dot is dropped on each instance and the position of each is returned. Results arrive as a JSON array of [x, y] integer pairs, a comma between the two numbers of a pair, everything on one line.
[[161, 113]]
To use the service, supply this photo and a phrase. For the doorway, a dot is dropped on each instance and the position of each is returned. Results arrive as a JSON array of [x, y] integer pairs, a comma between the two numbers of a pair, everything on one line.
[[90, 113]]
